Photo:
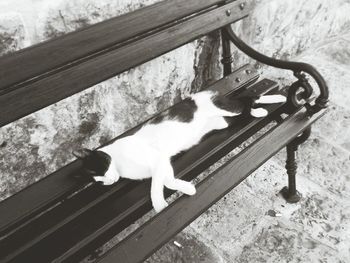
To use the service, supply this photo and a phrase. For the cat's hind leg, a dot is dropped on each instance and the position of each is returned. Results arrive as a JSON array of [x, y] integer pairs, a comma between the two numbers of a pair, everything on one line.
[[177, 184], [180, 185], [159, 173]]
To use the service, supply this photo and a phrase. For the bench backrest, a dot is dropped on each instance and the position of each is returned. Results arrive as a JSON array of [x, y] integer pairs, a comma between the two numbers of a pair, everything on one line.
[[41, 75]]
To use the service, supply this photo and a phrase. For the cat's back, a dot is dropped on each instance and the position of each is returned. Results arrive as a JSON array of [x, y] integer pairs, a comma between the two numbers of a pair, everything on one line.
[[182, 126], [178, 128], [131, 148], [168, 137]]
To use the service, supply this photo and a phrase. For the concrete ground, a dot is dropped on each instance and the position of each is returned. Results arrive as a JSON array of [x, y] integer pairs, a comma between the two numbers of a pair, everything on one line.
[[254, 224]]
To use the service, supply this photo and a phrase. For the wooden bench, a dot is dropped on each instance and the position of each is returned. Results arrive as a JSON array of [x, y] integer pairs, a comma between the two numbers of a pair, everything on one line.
[[55, 218]]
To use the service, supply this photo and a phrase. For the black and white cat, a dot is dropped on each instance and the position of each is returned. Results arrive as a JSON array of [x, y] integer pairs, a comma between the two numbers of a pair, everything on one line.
[[147, 153]]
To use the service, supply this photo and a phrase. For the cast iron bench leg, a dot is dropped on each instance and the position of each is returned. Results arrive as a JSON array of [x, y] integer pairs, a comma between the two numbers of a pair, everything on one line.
[[290, 193]]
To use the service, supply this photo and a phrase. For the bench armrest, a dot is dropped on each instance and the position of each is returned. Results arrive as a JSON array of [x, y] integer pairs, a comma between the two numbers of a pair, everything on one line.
[[297, 68]]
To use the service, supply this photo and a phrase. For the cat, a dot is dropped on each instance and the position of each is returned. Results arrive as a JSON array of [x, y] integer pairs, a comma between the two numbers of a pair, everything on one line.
[[147, 153]]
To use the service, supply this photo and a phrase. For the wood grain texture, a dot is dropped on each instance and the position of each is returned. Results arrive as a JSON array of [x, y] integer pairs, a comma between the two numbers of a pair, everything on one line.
[[29, 98], [57, 186], [117, 207], [152, 235], [246, 75], [36, 60], [54, 187]]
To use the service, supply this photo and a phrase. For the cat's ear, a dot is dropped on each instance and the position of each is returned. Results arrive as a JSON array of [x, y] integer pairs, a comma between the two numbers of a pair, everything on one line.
[[82, 153]]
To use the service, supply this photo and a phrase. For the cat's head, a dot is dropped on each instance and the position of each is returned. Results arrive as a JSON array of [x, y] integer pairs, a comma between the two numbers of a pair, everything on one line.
[[95, 163]]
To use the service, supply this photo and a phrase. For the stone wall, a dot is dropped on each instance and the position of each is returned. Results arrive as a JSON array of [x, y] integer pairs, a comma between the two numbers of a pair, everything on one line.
[[40, 143], [285, 29]]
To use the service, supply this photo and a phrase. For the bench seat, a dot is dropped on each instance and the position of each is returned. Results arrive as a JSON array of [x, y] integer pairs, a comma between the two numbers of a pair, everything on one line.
[[65, 216], [78, 216]]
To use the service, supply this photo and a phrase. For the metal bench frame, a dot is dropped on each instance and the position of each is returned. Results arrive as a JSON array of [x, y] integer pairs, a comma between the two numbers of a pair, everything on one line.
[[55, 218]]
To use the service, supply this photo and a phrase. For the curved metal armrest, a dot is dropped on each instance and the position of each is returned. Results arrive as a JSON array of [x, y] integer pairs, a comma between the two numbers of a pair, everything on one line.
[[297, 67]]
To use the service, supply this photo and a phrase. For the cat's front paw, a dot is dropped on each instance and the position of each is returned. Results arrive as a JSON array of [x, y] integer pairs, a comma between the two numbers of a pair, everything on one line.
[[104, 180], [108, 182], [258, 112], [99, 178], [159, 205]]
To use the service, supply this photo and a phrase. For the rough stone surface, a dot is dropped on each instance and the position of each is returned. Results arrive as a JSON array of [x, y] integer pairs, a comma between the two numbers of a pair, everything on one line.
[[93, 117], [317, 160], [285, 29], [184, 248], [208, 67], [66, 16], [335, 125], [325, 218], [12, 33], [279, 243]]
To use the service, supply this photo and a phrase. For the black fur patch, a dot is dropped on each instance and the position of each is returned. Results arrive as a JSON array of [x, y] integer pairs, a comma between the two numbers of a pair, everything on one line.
[[183, 112], [97, 163], [229, 104], [159, 118]]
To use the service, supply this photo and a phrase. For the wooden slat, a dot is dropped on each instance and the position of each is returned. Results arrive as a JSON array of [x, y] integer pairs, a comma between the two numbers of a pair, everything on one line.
[[49, 190], [119, 210], [150, 236], [32, 97], [247, 75], [35, 60]]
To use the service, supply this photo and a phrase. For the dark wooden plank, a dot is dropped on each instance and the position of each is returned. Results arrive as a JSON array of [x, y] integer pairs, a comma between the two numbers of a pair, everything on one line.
[[246, 75], [34, 96], [152, 235], [119, 210], [51, 189], [38, 196], [38, 59]]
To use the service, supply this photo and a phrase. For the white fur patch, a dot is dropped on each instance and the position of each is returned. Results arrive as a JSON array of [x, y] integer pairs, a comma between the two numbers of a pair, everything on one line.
[[269, 99], [147, 153], [258, 113]]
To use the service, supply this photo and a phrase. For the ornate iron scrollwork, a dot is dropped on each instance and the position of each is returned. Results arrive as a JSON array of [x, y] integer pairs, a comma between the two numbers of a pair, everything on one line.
[[298, 68], [300, 90]]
